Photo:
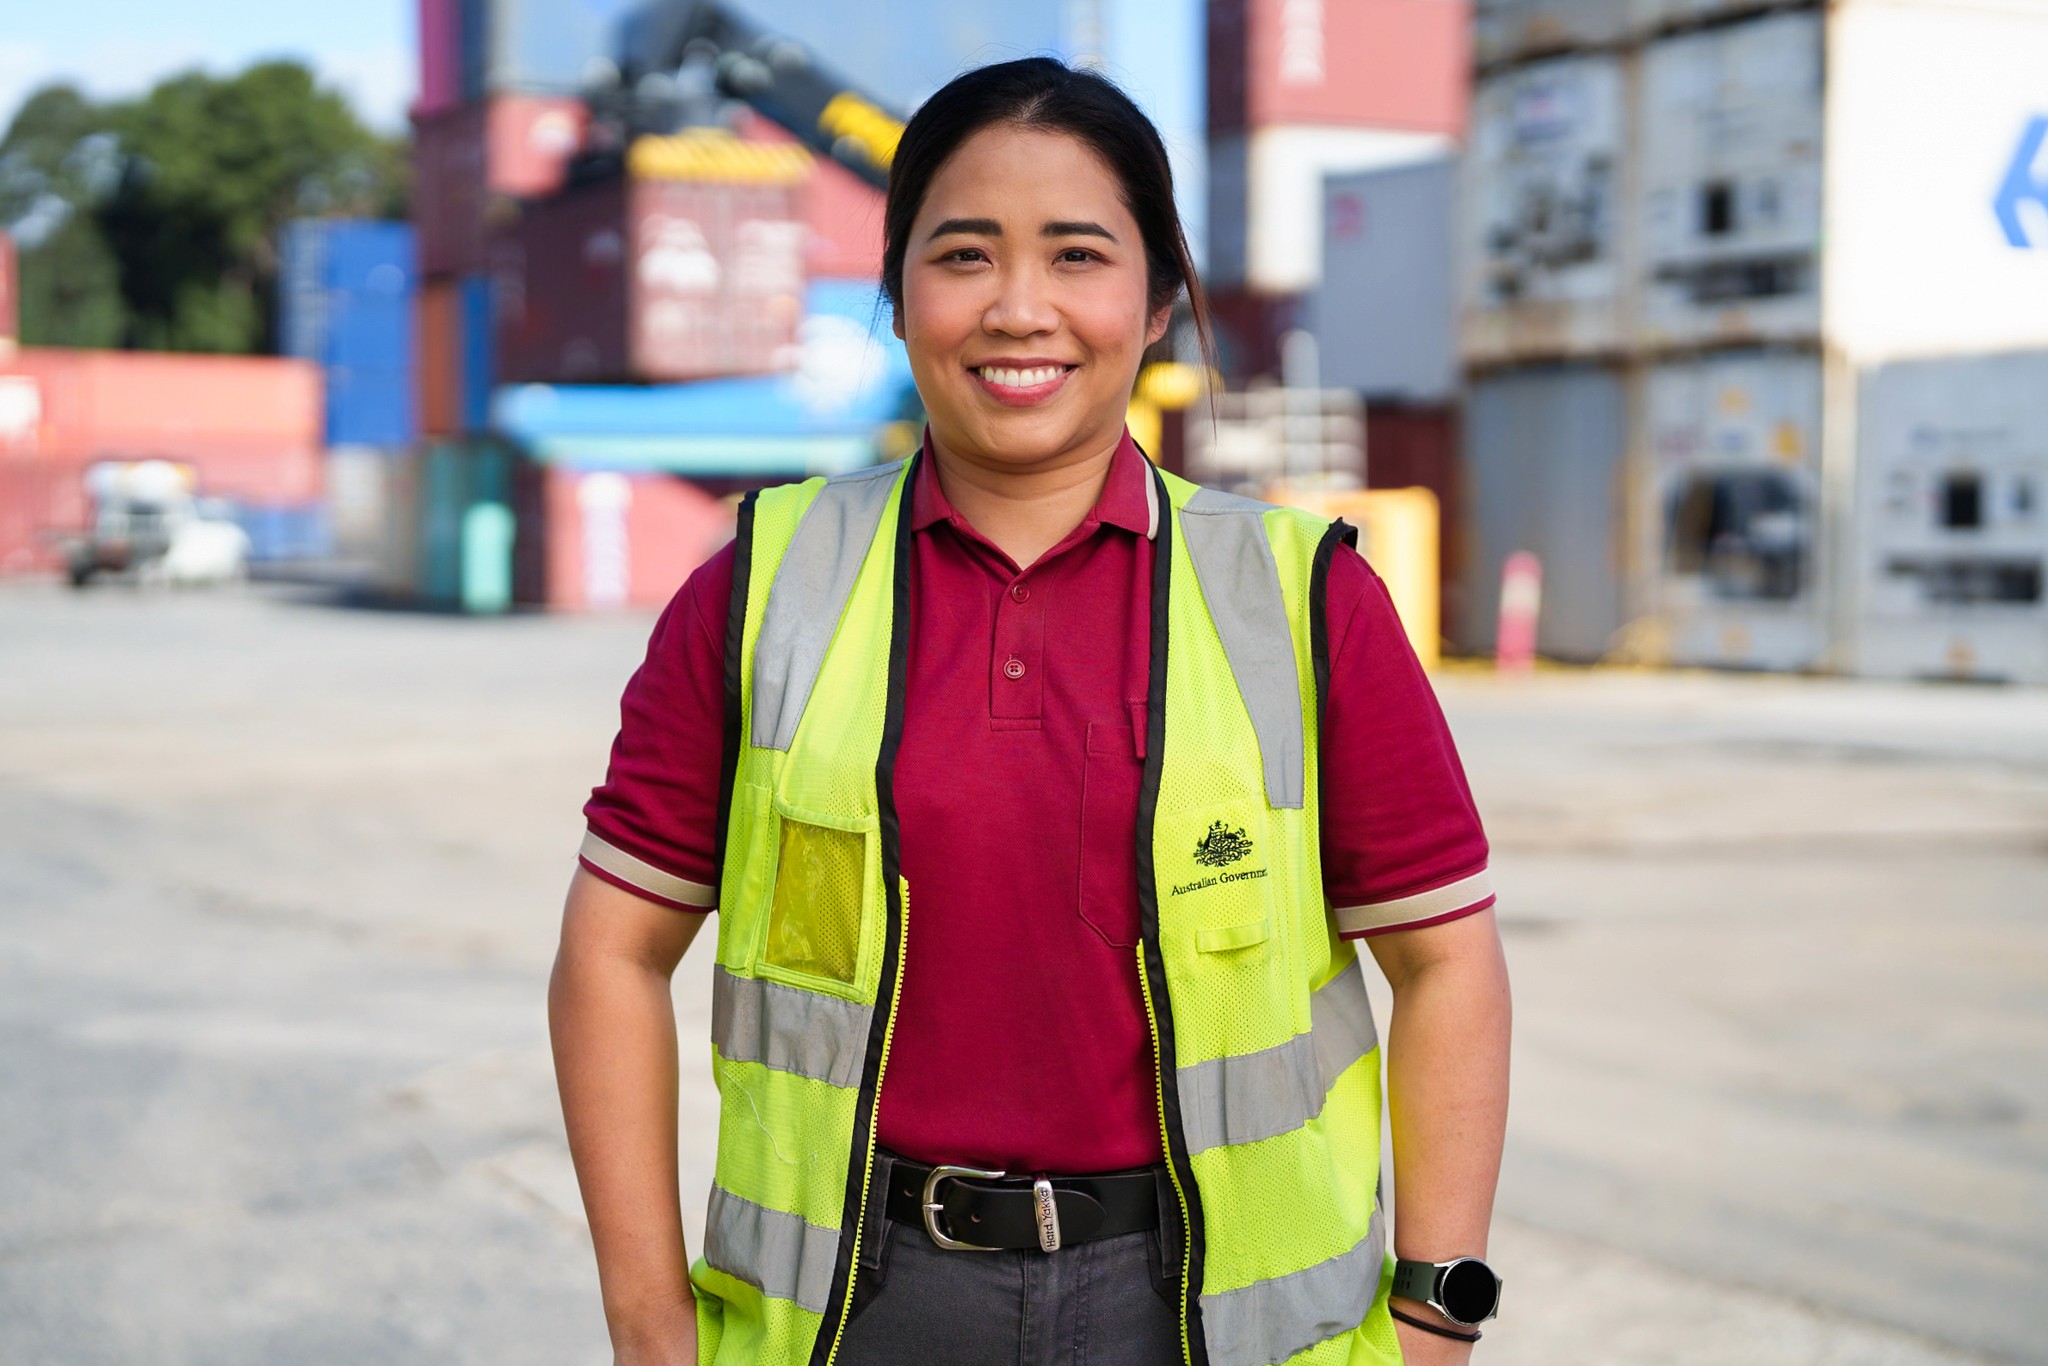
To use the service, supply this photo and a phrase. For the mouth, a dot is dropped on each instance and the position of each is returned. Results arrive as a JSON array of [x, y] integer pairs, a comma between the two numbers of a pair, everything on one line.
[[1020, 386]]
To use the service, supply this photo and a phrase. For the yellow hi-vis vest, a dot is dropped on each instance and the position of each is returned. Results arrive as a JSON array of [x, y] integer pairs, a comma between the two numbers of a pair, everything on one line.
[[1267, 1058]]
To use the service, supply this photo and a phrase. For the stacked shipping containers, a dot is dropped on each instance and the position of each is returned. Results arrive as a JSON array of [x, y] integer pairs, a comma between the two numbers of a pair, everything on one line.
[[1735, 210], [1301, 89]]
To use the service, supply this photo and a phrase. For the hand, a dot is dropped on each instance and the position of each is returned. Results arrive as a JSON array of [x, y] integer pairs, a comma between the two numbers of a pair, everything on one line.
[[670, 1340]]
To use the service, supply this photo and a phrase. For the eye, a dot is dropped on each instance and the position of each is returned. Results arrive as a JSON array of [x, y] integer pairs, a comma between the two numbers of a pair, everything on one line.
[[1078, 256], [966, 255]]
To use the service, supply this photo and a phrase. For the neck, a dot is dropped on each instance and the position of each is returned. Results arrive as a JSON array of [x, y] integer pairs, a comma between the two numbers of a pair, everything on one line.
[[1026, 511]]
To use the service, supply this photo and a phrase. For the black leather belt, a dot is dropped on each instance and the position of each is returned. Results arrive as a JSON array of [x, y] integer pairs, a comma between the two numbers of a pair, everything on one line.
[[965, 1209]]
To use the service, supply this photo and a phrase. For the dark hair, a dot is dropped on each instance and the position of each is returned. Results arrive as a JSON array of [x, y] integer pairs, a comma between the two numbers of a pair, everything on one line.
[[1040, 93]]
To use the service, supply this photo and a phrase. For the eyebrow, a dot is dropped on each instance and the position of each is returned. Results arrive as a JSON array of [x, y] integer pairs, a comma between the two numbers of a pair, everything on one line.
[[988, 227]]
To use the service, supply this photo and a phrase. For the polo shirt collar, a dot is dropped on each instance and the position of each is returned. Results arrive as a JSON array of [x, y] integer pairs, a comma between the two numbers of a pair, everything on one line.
[[1129, 498]]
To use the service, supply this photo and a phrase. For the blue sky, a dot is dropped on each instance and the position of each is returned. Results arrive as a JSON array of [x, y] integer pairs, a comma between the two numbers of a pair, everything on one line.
[[122, 47]]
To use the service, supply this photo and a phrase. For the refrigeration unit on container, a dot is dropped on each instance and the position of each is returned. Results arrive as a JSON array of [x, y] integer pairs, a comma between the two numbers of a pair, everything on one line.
[[1732, 441], [1952, 519], [473, 162], [1394, 64], [1507, 30], [690, 265], [1544, 248], [535, 46], [1728, 142], [1385, 314], [1543, 473]]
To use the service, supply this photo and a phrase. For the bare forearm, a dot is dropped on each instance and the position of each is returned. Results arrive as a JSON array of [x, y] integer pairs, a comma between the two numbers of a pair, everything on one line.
[[615, 1060]]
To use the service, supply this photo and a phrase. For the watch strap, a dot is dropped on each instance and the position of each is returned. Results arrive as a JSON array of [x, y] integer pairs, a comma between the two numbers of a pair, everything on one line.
[[1416, 1280]]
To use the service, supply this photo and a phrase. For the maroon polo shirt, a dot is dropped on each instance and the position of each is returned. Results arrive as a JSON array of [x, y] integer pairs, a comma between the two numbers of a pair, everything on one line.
[[1021, 1041]]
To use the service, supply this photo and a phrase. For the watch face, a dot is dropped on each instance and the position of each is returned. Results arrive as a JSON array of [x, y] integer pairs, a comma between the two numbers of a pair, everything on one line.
[[1469, 1291]]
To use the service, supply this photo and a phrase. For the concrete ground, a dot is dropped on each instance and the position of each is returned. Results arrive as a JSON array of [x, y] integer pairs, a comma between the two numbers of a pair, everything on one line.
[[278, 889]]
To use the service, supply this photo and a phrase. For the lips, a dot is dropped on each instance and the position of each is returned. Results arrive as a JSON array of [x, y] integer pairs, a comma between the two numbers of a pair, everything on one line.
[[1019, 386]]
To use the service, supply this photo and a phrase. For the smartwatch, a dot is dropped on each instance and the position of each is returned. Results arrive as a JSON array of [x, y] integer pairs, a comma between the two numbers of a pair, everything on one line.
[[1464, 1290]]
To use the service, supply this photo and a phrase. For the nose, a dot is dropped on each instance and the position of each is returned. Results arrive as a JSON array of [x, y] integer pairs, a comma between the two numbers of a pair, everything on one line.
[[1022, 306]]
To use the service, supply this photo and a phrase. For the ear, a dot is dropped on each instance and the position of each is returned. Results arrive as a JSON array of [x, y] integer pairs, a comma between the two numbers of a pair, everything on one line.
[[896, 323], [1157, 327]]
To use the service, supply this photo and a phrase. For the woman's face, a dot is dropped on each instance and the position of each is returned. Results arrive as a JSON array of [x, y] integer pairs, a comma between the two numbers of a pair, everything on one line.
[[1024, 301]]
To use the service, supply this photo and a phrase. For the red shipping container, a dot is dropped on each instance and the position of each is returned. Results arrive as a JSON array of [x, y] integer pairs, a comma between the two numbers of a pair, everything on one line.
[[250, 426], [438, 345], [440, 57], [842, 213], [1397, 64], [654, 278], [468, 162], [41, 502], [10, 298], [1416, 446], [619, 540]]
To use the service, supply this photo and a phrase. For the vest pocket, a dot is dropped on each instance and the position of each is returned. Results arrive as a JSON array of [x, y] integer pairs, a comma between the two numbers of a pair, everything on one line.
[[820, 903], [1220, 925]]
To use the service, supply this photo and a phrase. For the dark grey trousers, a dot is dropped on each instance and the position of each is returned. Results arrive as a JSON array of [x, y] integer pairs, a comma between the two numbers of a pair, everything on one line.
[[1093, 1304]]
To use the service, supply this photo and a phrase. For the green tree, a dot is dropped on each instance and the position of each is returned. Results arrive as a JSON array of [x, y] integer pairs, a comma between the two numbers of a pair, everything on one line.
[[186, 190]]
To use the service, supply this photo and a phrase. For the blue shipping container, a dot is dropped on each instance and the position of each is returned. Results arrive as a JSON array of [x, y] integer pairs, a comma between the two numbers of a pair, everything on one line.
[[370, 407], [290, 531], [479, 351], [345, 302]]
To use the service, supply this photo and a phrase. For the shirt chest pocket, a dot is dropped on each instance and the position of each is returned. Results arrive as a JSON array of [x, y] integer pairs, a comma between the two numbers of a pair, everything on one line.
[[1112, 775]]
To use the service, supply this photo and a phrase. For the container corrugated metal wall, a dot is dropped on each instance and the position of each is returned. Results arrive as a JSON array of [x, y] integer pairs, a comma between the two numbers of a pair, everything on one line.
[[345, 302], [1733, 444], [1952, 506], [1545, 247], [1544, 451], [1504, 30], [1368, 63], [1416, 446], [440, 353], [479, 351], [440, 56], [1385, 314], [1728, 135]]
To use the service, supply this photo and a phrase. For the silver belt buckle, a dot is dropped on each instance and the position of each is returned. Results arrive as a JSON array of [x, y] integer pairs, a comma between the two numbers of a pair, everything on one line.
[[1048, 1215], [934, 1208]]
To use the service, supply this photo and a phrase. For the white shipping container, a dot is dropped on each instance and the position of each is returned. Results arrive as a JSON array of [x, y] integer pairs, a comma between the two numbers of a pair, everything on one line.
[[1936, 178], [1728, 139], [1952, 544], [1543, 245], [1656, 15], [1503, 30], [1384, 315], [1266, 197], [1732, 442]]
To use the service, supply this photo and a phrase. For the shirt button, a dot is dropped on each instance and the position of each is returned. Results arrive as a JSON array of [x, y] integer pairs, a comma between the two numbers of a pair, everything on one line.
[[1020, 592], [1013, 668]]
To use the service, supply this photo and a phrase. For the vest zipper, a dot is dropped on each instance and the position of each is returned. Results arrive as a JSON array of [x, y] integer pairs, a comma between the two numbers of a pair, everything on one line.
[[867, 1180], [1187, 1352]]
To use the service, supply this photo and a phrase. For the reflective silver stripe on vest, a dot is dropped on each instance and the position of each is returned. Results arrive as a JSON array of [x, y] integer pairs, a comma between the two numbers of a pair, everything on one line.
[[1272, 1320], [809, 593], [1240, 581], [1276, 1090], [813, 1035], [778, 1253]]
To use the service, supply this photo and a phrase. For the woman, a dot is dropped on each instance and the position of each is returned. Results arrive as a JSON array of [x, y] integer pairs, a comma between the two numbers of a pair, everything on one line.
[[1039, 795]]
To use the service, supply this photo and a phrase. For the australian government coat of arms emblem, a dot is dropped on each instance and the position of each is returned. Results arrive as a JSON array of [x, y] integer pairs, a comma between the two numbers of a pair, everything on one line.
[[1222, 846]]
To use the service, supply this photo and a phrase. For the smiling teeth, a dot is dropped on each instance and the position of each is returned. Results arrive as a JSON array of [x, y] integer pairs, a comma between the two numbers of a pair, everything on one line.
[[1021, 379]]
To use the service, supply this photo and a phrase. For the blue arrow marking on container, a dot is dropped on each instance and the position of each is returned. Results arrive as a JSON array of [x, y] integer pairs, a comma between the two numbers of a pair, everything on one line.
[[2025, 182]]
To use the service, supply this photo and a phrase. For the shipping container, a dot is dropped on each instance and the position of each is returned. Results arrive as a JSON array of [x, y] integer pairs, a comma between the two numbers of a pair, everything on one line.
[[1728, 135], [1409, 446], [1544, 246], [285, 532], [359, 499], [1390, 64], [1266, 195], [850, 382], [1655, 16], [1509, 30], [479, 351], [440, 349], [1937, 180], [536, 46], [41, 503], [249, 426], [612, 540], [1952, 515], [1385, 314], [470, 161], [440, 78], [345, 302], [690, 266], [1739, 565], [842, 213], [10, 298], [1544, 473]]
